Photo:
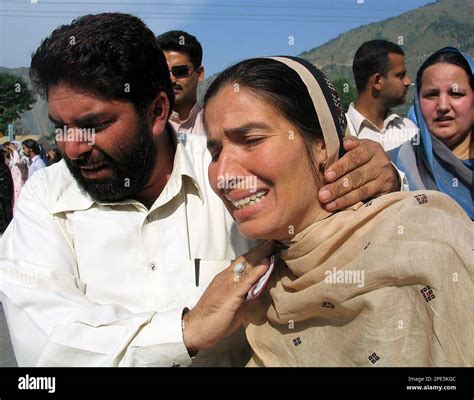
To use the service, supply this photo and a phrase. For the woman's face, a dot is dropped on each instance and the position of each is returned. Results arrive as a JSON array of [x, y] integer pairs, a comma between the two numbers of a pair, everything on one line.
[[259, 166], [447, 103]]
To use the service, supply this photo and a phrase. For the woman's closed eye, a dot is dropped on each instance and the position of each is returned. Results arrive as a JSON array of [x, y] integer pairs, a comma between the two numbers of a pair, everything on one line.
[[431, 94], [456, 93], [252, 141]]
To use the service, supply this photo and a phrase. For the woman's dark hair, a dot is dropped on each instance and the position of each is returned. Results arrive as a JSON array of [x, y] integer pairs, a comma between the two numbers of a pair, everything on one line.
[[448, 57], [280, 87], [57, 156], [111, 55]]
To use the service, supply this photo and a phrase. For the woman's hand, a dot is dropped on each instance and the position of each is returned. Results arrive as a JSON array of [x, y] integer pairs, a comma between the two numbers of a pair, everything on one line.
[[365, 171], [220, 310]]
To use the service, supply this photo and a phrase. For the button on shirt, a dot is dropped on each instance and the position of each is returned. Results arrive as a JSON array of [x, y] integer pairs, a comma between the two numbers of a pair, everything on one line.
[[85, 283], [396, 130], [191, 125], [35, 164]]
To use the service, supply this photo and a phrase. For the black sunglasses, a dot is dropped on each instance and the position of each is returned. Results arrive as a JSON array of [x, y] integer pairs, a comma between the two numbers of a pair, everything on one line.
[[180, 71]]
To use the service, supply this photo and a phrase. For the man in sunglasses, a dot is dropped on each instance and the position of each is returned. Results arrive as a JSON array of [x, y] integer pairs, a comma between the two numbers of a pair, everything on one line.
[[183, 54]]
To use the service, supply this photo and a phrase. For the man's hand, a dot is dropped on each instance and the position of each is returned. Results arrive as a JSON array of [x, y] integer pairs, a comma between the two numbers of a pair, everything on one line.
[[363, 172], [220, 310]]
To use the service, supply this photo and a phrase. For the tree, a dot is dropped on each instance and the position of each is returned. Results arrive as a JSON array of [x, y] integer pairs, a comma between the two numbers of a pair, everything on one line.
[[15, 97], [346, 91]]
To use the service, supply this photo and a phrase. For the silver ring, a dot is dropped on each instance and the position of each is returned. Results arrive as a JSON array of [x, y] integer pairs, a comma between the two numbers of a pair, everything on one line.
[[239, 268]]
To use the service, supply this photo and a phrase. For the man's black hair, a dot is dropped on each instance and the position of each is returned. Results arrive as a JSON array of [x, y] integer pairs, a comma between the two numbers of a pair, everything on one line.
[[111, 55], [371, 58], [183, 42]]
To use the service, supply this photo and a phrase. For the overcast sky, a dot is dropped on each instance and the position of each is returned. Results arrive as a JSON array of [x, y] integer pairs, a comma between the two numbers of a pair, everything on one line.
[[229, 30]]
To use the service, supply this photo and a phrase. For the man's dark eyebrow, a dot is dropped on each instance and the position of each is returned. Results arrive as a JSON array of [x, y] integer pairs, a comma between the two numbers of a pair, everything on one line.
[[85, 120], [90, 119]]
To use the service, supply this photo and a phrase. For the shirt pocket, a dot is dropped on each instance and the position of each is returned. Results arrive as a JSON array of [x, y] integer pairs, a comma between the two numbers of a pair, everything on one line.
[[203, 273]]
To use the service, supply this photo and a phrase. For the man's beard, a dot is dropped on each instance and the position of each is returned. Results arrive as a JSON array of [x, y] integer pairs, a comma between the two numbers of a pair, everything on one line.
[[131, 169]]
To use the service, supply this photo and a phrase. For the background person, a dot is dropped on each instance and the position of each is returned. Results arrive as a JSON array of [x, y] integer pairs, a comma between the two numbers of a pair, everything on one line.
[[18, 168], [382, 83], [441, 157], [33, 151], [54, 156], [6, 194], [183, 54]]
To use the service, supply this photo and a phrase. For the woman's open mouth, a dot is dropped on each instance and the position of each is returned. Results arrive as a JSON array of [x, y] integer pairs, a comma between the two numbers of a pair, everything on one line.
[[250, 200], [248, 206]]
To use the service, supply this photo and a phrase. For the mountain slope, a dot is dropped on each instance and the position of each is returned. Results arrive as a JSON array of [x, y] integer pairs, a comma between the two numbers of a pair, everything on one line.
[[420, 32]]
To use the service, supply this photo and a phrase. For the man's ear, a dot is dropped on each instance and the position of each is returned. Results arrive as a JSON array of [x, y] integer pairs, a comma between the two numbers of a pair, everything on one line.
[[201, 74], [159, 110], [376, 81]]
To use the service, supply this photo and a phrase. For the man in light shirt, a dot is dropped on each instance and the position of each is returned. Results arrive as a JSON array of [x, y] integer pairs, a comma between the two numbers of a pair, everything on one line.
[[183, 54], [110, 246], [32, 150], [382, 83]]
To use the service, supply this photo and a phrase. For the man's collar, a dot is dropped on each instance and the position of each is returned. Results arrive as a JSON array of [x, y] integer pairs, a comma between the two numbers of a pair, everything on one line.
[[182, 166], [74, 198], [357, 119], [192, 114]]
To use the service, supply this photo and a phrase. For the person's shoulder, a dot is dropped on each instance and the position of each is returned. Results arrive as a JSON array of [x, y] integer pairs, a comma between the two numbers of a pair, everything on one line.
[[196, 145], [430, 207], [409, 123], [50, 181]]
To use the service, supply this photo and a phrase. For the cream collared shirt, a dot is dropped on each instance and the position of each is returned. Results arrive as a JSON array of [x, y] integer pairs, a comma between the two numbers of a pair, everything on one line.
[[396, 130], [191, 125], [104, 284]]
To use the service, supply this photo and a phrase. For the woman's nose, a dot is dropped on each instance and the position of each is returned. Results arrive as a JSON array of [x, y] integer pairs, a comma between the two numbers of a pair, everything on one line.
[[443, 104], [230, 171]]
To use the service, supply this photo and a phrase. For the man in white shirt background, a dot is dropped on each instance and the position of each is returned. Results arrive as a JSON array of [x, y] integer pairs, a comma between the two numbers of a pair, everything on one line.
[[32, 150], [183, 54], [110, 246], [382, 83]]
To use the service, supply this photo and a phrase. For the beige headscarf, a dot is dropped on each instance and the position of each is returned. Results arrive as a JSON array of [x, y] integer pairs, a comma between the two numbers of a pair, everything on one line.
[[388, 283]]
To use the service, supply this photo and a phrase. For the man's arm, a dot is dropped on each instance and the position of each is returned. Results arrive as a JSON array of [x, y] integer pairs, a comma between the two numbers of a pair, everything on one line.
[[50, 318], [365, 171]]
